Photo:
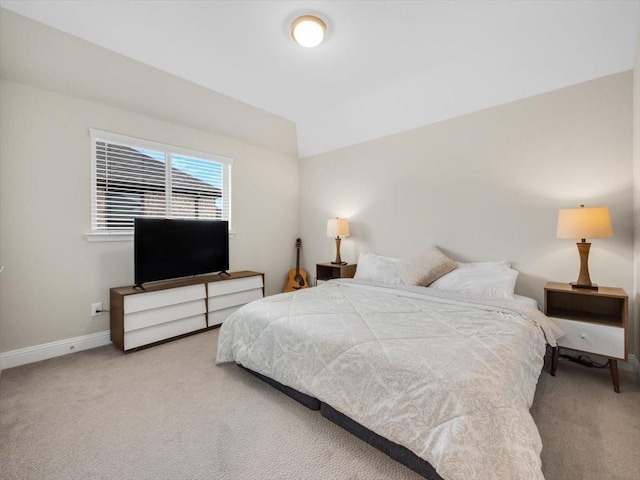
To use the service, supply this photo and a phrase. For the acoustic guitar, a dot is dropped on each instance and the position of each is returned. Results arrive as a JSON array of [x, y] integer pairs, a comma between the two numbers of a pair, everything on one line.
[[297, 278]]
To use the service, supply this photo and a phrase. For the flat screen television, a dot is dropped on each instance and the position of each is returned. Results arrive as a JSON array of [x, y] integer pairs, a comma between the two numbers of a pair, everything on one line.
[[172, 248]]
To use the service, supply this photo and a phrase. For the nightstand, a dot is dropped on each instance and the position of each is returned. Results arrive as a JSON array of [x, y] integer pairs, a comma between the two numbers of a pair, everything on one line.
[[328, 271], [594, 321]]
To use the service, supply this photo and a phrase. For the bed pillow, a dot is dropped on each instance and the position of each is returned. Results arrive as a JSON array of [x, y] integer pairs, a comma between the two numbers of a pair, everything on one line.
[[377, 268], [424, 266], [487, 279]]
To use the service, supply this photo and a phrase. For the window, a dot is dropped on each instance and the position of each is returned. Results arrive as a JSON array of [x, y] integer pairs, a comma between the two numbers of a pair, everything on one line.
[[133, 178]]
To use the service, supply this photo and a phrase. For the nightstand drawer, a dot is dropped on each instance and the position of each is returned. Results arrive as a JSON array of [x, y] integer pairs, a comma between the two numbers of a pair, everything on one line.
[[604, 340]]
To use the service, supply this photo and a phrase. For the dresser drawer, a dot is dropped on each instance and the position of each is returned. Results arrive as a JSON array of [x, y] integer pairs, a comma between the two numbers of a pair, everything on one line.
[[236, 285], [163, 298], [233, 299], [156, 333], [219, 316], [156, 316], [605, 340]]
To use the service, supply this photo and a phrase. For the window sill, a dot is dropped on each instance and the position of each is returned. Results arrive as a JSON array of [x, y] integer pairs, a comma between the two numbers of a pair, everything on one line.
[[118, 236], [109, 236]]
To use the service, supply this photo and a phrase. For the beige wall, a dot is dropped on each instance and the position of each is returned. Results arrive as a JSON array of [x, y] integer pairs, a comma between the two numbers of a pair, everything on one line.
[[482, 186], [487, 186], [635, 295], [52, 274], [55, 87]]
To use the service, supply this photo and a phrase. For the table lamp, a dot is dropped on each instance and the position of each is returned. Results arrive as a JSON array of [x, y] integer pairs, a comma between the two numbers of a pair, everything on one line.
[[338, 227], [584, 222]]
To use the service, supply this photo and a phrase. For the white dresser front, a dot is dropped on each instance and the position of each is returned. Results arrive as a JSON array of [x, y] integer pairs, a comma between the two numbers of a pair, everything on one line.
[[154, 316], [228, 296]]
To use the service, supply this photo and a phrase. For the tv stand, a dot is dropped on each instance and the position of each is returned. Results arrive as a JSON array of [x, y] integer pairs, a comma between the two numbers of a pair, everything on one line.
[[224, 272], [165, 310]]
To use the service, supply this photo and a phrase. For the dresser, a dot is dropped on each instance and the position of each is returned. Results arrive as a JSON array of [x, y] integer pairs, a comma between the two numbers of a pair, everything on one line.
[[173, 308]]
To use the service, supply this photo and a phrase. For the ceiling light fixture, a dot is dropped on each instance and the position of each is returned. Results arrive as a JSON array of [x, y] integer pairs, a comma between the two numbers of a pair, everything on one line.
[[308, 31]]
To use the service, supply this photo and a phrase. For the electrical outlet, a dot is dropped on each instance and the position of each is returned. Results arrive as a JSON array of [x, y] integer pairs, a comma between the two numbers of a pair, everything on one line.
[[96, 309]]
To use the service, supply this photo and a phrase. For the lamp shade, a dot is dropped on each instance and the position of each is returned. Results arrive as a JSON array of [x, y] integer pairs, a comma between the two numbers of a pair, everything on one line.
[[584, 222], [338, 227]]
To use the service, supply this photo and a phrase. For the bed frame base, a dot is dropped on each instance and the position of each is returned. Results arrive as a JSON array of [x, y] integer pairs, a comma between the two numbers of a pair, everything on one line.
[[311, 403], [393, 450]]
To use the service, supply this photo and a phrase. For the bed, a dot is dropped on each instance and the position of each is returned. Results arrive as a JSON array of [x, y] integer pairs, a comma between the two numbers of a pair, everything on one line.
[[438, 379]]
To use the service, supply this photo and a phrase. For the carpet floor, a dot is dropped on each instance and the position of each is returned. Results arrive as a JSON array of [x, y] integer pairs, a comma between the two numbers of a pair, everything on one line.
[[168, 412]]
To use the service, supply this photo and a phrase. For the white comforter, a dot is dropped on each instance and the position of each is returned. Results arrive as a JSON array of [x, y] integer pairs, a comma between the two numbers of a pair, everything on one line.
[[451, 380]]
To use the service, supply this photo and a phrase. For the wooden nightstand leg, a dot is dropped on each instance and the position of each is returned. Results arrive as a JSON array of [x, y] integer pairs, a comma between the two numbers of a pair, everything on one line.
[[554, 359], [613, 365]]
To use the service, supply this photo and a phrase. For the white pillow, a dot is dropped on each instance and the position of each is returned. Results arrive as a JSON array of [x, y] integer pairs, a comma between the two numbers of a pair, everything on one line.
[[488, 279], [424, 266], [501, 263], [377, 268]]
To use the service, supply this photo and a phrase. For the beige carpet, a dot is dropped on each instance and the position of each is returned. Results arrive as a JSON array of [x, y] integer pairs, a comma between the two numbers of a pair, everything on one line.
[[168, 412]]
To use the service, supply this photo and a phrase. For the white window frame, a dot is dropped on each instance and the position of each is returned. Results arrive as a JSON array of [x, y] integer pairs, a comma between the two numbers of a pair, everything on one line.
[[102, 235]]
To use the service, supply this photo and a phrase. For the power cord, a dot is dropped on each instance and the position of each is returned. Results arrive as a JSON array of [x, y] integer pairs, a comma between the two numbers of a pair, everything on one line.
[[585, 360]]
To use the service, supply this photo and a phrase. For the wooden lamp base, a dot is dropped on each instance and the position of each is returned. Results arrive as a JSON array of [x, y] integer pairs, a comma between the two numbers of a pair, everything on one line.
[[584, 280], [338, 259]]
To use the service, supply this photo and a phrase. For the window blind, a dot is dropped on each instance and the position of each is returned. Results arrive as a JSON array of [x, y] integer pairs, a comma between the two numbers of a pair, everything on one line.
[[137, 178]]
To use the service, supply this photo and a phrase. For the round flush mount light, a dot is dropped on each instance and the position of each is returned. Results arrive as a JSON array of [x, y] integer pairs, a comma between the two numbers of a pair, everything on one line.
[[308, 31]]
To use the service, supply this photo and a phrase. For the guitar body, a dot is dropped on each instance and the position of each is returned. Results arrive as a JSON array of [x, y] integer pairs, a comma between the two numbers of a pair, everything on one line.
[[297, 277], [294, 278]]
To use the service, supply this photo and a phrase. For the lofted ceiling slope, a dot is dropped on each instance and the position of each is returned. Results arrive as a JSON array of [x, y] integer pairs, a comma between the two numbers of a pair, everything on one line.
[[385, 67]]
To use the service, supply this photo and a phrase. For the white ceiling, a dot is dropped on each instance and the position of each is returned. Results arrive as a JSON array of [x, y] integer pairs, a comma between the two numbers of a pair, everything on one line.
[[386, 66]]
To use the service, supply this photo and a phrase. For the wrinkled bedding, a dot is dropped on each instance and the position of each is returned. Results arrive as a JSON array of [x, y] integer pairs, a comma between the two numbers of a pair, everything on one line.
[[451, 379]]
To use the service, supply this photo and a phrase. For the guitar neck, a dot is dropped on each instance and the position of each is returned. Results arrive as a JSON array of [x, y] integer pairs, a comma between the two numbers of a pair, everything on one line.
[[298, 261]]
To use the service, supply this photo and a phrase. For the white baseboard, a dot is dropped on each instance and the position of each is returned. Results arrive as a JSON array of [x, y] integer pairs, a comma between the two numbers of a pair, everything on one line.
[[22, 356], [633, 365]]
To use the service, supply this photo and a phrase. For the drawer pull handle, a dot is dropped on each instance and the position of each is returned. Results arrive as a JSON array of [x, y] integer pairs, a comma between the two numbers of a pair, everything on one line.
[[583, 336]]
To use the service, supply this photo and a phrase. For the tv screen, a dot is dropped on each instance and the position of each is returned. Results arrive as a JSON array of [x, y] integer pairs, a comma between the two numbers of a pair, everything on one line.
[[169, 248]]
